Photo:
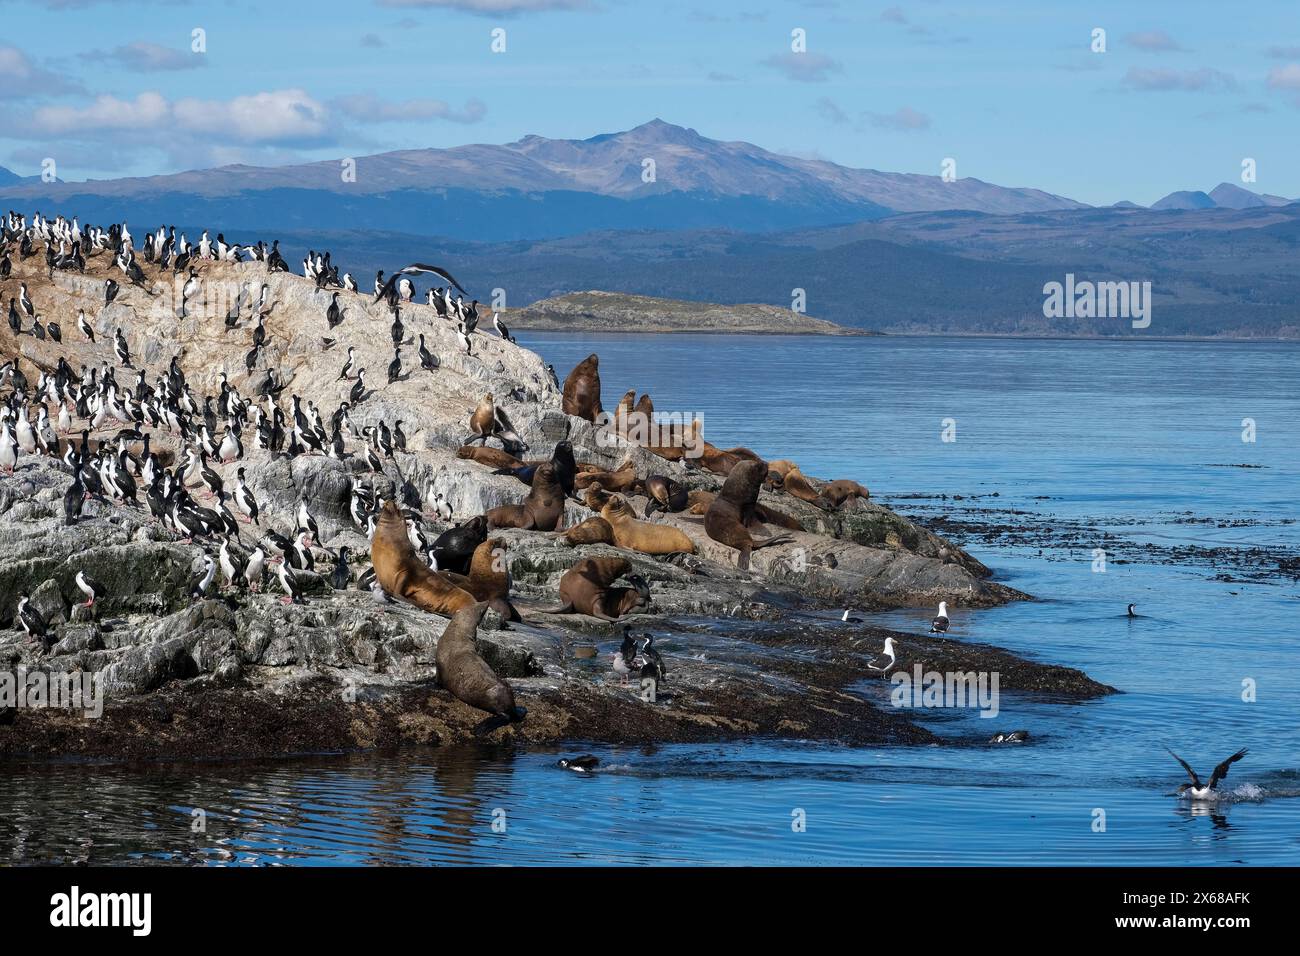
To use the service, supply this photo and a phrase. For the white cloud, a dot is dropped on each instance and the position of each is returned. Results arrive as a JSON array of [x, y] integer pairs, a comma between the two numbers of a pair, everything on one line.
[[489, 8], [145, 57], [804, 67], [1284, 77], [19, 76], [1153, 41], [1204, 79], [904, 119], [365, 108], [277, 116]]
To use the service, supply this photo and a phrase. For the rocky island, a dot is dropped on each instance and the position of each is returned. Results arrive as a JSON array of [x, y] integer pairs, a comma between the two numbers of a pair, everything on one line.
[[155, 375], [619, 312]]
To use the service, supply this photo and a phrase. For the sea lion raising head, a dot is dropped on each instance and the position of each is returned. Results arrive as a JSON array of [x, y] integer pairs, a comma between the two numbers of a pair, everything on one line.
[[733, 510], [540, 511], [401, 573], [582, 389]]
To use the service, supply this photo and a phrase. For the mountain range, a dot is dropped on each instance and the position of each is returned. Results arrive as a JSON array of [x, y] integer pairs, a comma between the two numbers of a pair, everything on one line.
[[732, 223], [656, 176]]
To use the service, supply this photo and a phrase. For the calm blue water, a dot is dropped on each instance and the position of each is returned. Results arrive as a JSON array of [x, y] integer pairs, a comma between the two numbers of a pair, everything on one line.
[[1119, 438]]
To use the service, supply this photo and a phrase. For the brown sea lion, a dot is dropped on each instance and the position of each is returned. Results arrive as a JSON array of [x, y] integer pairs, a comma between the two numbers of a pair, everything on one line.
[[665, 495], [782, 466], [646, 408], [595, 530], [623, 479], [401, 573], [679, 442], [732, 511], [489, 578], [492, 457], [483, 420], [622, 411], [720, 462], [585, 589], [799, 486], [540, 511], [595, 497], [698, 501], [464, 673], [842, 489], [582, 389], [642, 535]]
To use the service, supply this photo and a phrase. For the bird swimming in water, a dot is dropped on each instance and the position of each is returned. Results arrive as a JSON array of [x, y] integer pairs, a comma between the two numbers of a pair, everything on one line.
[[584, 764], [1132, 610], [1014, 737], [1198, 791]]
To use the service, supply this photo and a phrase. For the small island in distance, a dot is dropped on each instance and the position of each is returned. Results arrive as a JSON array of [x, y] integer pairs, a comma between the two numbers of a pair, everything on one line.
[[595, 311]]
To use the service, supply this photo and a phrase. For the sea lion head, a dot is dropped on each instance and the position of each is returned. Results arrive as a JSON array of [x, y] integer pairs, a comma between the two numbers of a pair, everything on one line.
[[616, 506]]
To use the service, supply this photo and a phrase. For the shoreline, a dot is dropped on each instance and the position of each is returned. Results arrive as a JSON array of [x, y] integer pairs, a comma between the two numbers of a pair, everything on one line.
[[241, 674]]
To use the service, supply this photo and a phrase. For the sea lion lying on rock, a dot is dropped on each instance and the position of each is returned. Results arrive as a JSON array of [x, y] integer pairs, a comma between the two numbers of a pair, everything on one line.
[[582, 389], [665, 494], [841, 490], [643, 536], [401, 573], [492, 457], [623, 479], [595, 530], [489, 578], [586, 589], [797, 485], [733, 511], [464, 673], [540, 511]]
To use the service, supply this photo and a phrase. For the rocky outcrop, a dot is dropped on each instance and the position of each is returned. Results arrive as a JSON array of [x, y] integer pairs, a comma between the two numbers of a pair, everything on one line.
[[620, 312], [151, 642]]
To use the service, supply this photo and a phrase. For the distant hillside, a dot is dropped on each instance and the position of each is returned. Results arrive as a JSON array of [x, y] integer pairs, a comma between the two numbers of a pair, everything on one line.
[[656, 176], [1214, 272], [1222, 196], [619, 312]]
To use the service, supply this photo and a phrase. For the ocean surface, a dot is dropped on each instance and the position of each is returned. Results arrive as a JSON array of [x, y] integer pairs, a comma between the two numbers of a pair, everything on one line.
[[1135, 447]]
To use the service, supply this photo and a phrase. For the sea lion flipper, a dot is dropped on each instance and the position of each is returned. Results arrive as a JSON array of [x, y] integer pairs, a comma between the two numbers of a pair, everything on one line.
[[489, 724]]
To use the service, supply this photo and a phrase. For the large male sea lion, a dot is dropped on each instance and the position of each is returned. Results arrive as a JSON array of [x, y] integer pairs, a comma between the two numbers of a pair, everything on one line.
[[582, 389], [733, 510], [468, 677], [540, 511], [401, 573], [585, 589], [643, 536], [489, 578], [454, 548]]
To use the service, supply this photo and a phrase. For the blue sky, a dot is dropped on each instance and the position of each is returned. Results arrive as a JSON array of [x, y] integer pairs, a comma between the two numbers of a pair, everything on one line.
[[1184, 92]]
